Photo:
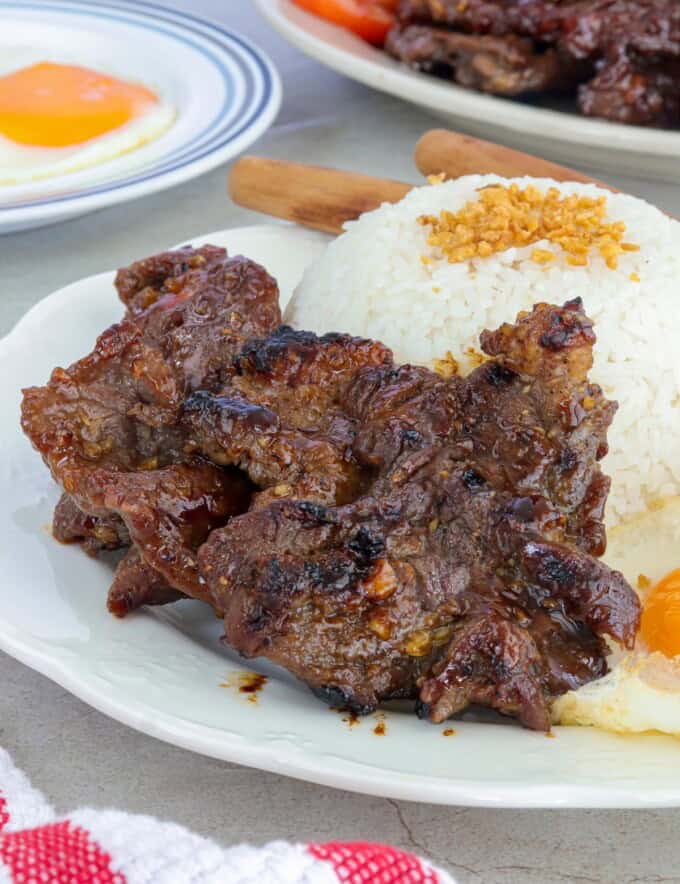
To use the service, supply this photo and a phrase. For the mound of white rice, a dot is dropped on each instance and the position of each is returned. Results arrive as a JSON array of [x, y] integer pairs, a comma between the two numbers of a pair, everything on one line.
[[372, 281]]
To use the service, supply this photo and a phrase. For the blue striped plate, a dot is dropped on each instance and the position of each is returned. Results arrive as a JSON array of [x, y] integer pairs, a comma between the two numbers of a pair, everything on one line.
[[225, 91]]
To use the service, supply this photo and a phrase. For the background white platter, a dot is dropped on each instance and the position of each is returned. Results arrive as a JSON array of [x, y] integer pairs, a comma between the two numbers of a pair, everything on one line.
[[555, 133], [225, 90], [161, 670]]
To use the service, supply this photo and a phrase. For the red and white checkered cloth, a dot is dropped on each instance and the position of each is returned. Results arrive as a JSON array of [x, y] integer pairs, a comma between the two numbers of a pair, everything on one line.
[[112, 847]]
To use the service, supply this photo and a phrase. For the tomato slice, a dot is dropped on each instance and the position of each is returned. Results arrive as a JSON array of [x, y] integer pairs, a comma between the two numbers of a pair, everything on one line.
[[369, 19]]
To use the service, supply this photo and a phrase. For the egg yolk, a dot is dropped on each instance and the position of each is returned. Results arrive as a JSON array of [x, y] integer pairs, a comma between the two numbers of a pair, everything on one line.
[[660, 625], [57, 105]]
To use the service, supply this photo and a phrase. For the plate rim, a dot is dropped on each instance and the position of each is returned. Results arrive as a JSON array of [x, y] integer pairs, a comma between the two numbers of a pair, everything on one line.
[[422, 89], [139, 183], [293, 760]]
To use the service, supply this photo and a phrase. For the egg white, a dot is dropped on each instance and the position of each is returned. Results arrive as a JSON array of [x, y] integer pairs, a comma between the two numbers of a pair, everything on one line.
[[20, 164], [641, 693]]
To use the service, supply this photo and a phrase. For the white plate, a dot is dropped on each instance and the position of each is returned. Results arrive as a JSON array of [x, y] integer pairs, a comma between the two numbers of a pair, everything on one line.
[[225, 90], [566, 136], [160, 670]]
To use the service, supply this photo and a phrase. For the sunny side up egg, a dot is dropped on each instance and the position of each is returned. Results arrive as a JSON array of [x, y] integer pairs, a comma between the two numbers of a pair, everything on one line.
[[59, 118], [642, 692]]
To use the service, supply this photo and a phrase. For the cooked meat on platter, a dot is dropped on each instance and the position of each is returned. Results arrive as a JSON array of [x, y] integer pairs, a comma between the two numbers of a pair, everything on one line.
[[377, 529], [108, 427], [625, 54], [508, 65], [95, 534]]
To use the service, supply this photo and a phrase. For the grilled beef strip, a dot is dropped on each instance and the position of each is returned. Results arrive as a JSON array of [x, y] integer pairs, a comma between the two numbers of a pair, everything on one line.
[[463, 567], [377, 529], [109, 426]]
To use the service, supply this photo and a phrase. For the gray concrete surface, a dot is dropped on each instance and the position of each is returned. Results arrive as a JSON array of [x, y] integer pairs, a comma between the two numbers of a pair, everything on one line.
[[78, 756]]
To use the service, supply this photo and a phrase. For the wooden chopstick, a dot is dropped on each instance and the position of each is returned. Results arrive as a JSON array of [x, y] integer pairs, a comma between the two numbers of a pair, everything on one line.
[[313, 196], [455, 154]]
